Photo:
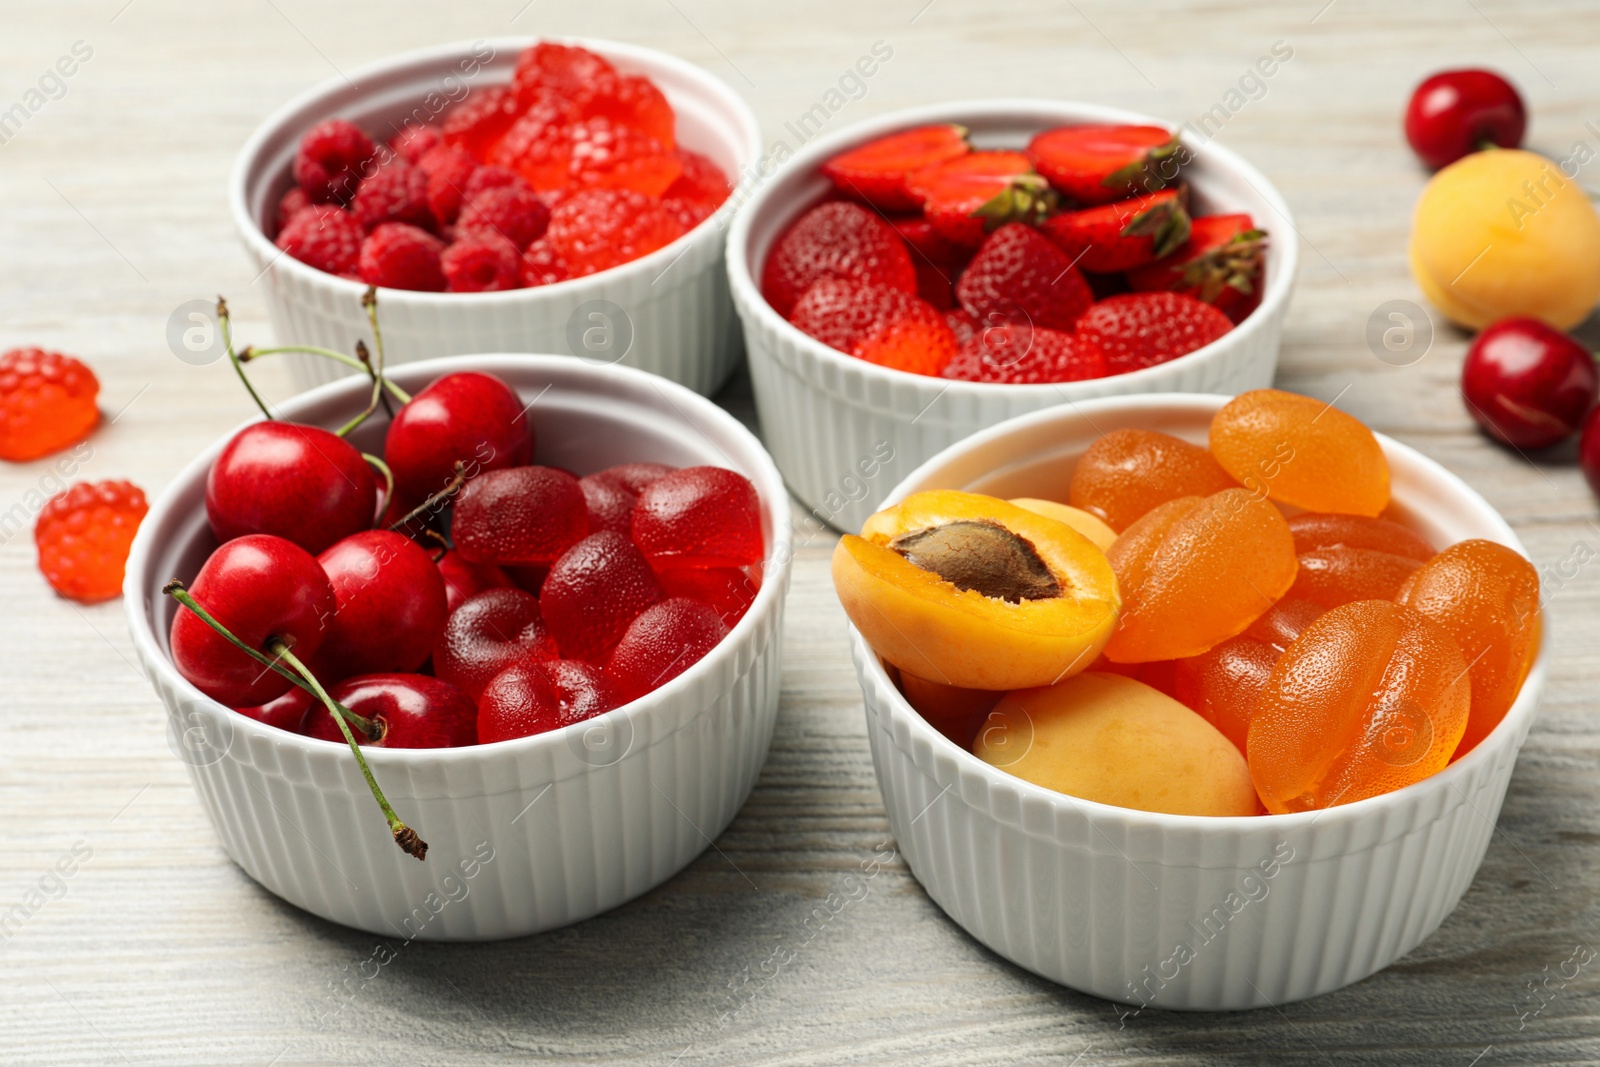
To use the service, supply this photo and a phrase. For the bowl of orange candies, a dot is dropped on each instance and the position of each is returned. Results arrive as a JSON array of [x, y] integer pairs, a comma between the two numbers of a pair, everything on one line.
[[1192, 701]]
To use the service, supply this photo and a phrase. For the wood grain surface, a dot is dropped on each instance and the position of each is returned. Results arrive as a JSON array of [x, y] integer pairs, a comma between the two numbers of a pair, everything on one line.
[[158, 950]]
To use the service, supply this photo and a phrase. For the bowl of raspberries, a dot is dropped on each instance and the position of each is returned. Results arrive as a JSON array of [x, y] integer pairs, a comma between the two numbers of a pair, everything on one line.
[[517, 194], [526, 611], [910, 280]]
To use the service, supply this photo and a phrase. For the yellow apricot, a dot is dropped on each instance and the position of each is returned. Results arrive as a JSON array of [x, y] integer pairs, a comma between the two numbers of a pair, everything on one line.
[[1091, 526], [1503, 232], [1113, 740], [938, 702]]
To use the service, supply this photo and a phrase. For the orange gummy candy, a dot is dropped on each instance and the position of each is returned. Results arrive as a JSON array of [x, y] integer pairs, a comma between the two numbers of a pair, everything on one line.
[[1353, 557], [1372, 697], [1301, 451], [1223, 685], [1196, 571], [1127, 472], [1486, 596]]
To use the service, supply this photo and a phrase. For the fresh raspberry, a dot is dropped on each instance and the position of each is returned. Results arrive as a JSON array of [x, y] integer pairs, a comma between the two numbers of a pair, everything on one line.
[[395, 192], [489, 176], [559, 70], [609, 155], [516, 214], [47, 401], [480, 264], [538, 145], [448, 171], [325, 237], [414, 142], [479, 120], [878, 323], [330, 160], [294, 201], [398, 256], [1019, 270], [543, 265], [597, 229], [1138, 330], [631, 100], [83, 535], [1021, 355], [839, 240]]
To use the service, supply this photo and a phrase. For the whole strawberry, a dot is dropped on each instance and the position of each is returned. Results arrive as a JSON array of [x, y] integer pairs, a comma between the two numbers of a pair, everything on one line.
[[1021, 275], [1012, 354], [840, 240], [1138, 330], [1122, 235], [877, 323]]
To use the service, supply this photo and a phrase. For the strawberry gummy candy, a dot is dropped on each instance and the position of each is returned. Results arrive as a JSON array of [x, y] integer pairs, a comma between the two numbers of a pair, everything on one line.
[[699, 517]]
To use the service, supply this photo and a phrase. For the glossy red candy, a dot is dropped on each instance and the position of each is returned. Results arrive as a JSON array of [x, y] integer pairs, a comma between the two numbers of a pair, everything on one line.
[[699, 517], [259, 587], [468, 417], [487, 634], [662, 643], [728, 591], [610, 504], [413, 710], [520, 515], [594, 591], [391, 605], [298, 482], [634, 476], [531, 698], [463, 580]]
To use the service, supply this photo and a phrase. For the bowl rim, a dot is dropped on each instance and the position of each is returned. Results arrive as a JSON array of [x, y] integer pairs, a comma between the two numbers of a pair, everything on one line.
[[741, 271], [247, 167], [351, 391], [1509, 733]]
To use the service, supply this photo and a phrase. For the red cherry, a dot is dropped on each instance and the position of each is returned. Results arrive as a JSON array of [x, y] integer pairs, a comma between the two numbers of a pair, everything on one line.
[[391, 605], [1528, 384], [610, 503], [298, 482], [1457, 112], [520, 515], [260, 587], [662, 643], [285, 712], [463, 580], [1589, 450], [699, 517], [487, 634], [468, 417], [728, 591], [531, 698], [413, 710], [594, 591], [634, 476]]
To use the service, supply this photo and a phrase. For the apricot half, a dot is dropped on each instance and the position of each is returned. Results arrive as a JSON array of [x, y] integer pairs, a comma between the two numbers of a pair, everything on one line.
[[974, 592], [1091, 526]]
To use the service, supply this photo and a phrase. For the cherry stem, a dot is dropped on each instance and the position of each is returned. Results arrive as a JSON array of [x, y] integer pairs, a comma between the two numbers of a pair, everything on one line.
[[444, 546], [404, 836], [225, 324], [249, 353], [377, 391], [388, 482], [177, 592], [457, 480]]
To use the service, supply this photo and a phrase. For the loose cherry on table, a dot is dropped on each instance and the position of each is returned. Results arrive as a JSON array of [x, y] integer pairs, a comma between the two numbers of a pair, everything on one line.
[[1457, 112], [410, 710], [299, 482], [390, 605], [1527, 384]]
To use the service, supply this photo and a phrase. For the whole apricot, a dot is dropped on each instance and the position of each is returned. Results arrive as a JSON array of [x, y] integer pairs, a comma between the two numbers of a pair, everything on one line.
[[1502, 233]]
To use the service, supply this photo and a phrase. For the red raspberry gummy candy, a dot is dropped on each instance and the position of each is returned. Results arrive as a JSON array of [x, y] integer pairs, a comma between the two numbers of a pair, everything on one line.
[[530, 698], [594, 591], [330, 160], [487, 634], [597, 229], [662, 643], [47, 401], [325, 237], [699, 517], [83, 535], [519, 515]]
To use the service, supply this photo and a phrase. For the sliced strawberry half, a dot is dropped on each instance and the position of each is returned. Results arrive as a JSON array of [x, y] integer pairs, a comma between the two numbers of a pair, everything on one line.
[[1012, 354], [1123, 235], [1221, 263], [878, 323], [1099, 164], [876, 171], [1023, 275], [1137, 330], [971, 195], [836, 239]]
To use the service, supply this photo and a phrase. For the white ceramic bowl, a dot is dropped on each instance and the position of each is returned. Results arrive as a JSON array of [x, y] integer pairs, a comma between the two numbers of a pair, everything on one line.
[[577, 820], [1100, 898], [672, 303], [843, 430]]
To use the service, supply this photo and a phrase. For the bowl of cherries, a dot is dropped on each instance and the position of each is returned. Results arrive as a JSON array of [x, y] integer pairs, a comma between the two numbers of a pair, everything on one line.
[[529, 605]]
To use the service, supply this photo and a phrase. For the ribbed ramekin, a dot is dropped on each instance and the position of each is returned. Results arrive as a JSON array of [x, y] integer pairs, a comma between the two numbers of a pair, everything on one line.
[[1178, 911], [831, 420], [525, 835], [672, 305]]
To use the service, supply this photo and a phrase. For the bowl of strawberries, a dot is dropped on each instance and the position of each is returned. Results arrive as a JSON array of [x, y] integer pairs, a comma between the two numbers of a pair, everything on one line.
[[511, 194], [518, 617], [915, 278]]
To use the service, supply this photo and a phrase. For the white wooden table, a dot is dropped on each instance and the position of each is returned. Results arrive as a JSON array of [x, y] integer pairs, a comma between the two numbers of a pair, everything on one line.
[[158, 950]]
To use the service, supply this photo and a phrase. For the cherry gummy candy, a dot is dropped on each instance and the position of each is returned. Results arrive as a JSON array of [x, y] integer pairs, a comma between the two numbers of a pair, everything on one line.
[[520, 515], [610, 503], [699, 517], [594, 591], [487, 634], [662, 643], [728, 591], [531, 698], [463, 580], [634, 476]]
